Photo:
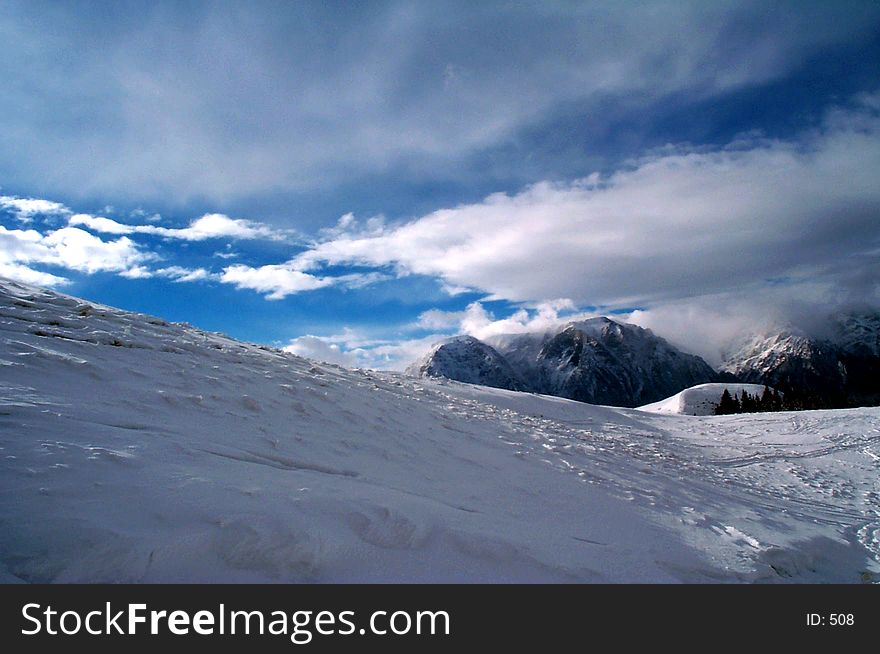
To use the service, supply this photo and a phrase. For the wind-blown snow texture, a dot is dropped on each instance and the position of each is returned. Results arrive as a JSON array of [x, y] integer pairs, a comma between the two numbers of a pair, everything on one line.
[[135, 450]]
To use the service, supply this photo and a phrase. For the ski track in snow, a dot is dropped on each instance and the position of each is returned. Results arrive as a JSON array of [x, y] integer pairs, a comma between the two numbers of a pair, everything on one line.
[[136, 450]]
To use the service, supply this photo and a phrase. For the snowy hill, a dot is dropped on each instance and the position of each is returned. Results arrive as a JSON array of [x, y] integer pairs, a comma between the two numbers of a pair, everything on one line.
[[700, 400], [133, 450], [466, 359]]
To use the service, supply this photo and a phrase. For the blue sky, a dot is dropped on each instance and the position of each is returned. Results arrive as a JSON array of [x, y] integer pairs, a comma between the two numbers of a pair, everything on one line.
[[357, 180]]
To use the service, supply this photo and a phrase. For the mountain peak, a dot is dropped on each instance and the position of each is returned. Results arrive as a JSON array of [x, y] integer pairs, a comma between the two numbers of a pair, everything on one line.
[[467, 359]]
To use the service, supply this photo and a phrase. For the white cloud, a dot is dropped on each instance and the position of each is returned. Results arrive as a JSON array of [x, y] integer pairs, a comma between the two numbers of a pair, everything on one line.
[[314, 347], [710, 324], [101, 224], [27, 275], [396, 355], [26, 208], [176, 273], [439, 320], [76, 249], [545, 316], [217, 225], [675, 224], [137, 272], [477, 321], [181, 274], [354, 349], [277, 282], [212, 225], [68, 247]]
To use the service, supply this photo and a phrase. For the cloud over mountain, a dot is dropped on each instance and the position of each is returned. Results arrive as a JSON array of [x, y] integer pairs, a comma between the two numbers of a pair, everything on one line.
[[675, 224]]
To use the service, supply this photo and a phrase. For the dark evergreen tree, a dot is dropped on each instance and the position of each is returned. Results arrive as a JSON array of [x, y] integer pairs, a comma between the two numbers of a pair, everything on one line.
[[766, 403], [726, 406]]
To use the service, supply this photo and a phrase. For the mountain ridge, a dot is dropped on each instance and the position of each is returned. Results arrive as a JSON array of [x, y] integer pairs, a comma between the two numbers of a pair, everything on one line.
[[598, 361], [603, 360]]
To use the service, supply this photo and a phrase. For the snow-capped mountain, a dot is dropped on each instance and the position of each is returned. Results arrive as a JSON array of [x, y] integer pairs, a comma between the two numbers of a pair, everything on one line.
[[787, 359], [466, 359], [858, 334], [600, 361], [842, 367], [134, 450], [604, 361]]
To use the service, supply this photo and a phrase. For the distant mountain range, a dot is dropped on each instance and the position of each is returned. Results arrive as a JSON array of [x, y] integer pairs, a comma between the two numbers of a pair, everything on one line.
[[600, 361], [841, 368], [605, 361]]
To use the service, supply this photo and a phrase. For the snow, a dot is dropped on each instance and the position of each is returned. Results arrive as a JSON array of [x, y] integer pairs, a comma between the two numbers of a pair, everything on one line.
[[133, 450], [701, 400]]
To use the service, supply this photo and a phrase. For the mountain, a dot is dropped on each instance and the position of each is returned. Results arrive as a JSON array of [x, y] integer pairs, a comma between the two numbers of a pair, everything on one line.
[[858, 334], [602, 361], [789, 360], [858, 341], [137, 450], [466, 359], [599, 361], [839, 368]]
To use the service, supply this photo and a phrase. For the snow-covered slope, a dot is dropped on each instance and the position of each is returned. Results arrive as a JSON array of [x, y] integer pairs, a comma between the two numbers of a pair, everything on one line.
[[136, 450], [700, 400], [466, 359]]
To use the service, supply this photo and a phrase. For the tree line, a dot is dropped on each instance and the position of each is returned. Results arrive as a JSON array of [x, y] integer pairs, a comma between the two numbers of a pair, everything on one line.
[[791, 400]]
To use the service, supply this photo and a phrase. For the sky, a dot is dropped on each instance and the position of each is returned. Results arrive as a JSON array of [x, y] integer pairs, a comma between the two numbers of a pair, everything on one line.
[[355, 181]]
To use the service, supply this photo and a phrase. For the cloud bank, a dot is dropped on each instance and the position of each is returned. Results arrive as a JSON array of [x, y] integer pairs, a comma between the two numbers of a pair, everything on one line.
[[79, 249], [218, 101], [68, 247], [676, 224], [212, 225]]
